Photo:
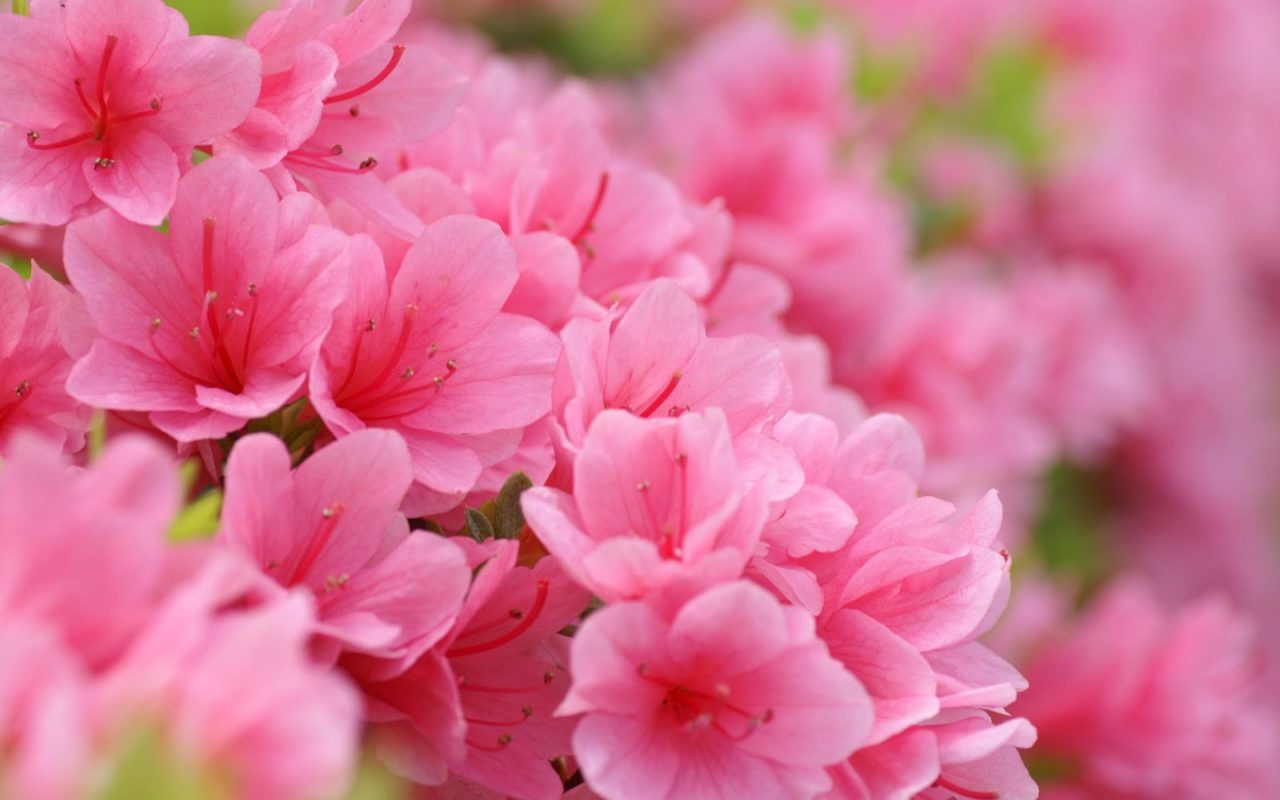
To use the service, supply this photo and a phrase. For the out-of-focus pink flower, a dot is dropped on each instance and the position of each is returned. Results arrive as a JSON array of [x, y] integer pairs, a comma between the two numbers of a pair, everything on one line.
[[217, 323], [1134, 701], [45, 719], [733, 695], [334, 527], [459, 386], [82, 551], [34, 364], [235, 692], [654, 501], [101, 102]]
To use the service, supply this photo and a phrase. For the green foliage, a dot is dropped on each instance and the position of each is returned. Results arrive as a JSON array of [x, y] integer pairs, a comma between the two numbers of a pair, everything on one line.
[[500, 517], [1069, 539], [146, 770], [375, 782], [508, 519], [199, 520], [217, 17], [1006, 104], [478, 525]]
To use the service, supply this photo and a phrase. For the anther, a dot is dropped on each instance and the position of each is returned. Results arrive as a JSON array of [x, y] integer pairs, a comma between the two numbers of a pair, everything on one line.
[[527, 711], [369, 163], [22, 388], [103, 163]]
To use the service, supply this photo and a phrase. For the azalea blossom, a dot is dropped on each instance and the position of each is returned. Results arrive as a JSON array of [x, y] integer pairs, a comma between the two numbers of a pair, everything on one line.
[[101, 103], [216, 323]]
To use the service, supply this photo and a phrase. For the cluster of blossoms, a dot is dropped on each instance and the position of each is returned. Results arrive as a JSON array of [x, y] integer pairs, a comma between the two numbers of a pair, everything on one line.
[[370, 391]]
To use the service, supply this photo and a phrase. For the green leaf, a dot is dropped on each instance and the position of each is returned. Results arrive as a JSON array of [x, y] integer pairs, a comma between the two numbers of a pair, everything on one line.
[[508, 519], [147, 769], [199, 520], [217, 17], [478, 525], [376, 782]]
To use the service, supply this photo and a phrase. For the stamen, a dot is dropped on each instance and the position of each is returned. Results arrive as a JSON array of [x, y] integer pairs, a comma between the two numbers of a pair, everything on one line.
[[107, 51], [211, 317], [588, 224], [526, 712], [402, 343], [539, 601], [33, 141], [397, 52], [365, 166], [317, 543], [503, 741], [84, 101], [975, 794], [152, 109], [466, 686], [155, 349], [663, 395]]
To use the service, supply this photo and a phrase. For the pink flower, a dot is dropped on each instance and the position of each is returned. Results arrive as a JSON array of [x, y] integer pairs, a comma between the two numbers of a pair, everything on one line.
[[655, 360], [480, 706], [654, 501], [337, 96], [217, 323], [427, 353], [234, 693], [731, 696], [45, 718], [1139, 702], [101, 102], [34, 364], [334, 527], [82, 551]]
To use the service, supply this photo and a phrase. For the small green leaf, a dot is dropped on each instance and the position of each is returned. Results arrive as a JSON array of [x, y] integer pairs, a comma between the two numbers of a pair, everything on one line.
[[146, 768], [97, 433], [199, 520], [478, 525], [508, 519]]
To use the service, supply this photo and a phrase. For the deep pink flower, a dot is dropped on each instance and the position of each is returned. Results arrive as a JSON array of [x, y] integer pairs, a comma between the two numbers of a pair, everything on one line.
[[732, 696], [82, 551], [234, 692], [334, 527], [654, 501], [34, 364], [101, 101], [428, 354], [217, 323]]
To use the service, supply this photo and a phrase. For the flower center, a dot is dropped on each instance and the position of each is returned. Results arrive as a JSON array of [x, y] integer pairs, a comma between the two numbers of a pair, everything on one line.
[[101, 120]]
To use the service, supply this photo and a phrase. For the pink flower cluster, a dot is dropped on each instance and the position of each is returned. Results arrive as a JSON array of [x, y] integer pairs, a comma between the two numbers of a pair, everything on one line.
[[376, 395]]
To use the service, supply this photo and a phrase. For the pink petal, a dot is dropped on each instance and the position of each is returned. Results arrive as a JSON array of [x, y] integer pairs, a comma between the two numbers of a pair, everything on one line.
[[40, 186], [207, 85], [142, 183], [119, 377]]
